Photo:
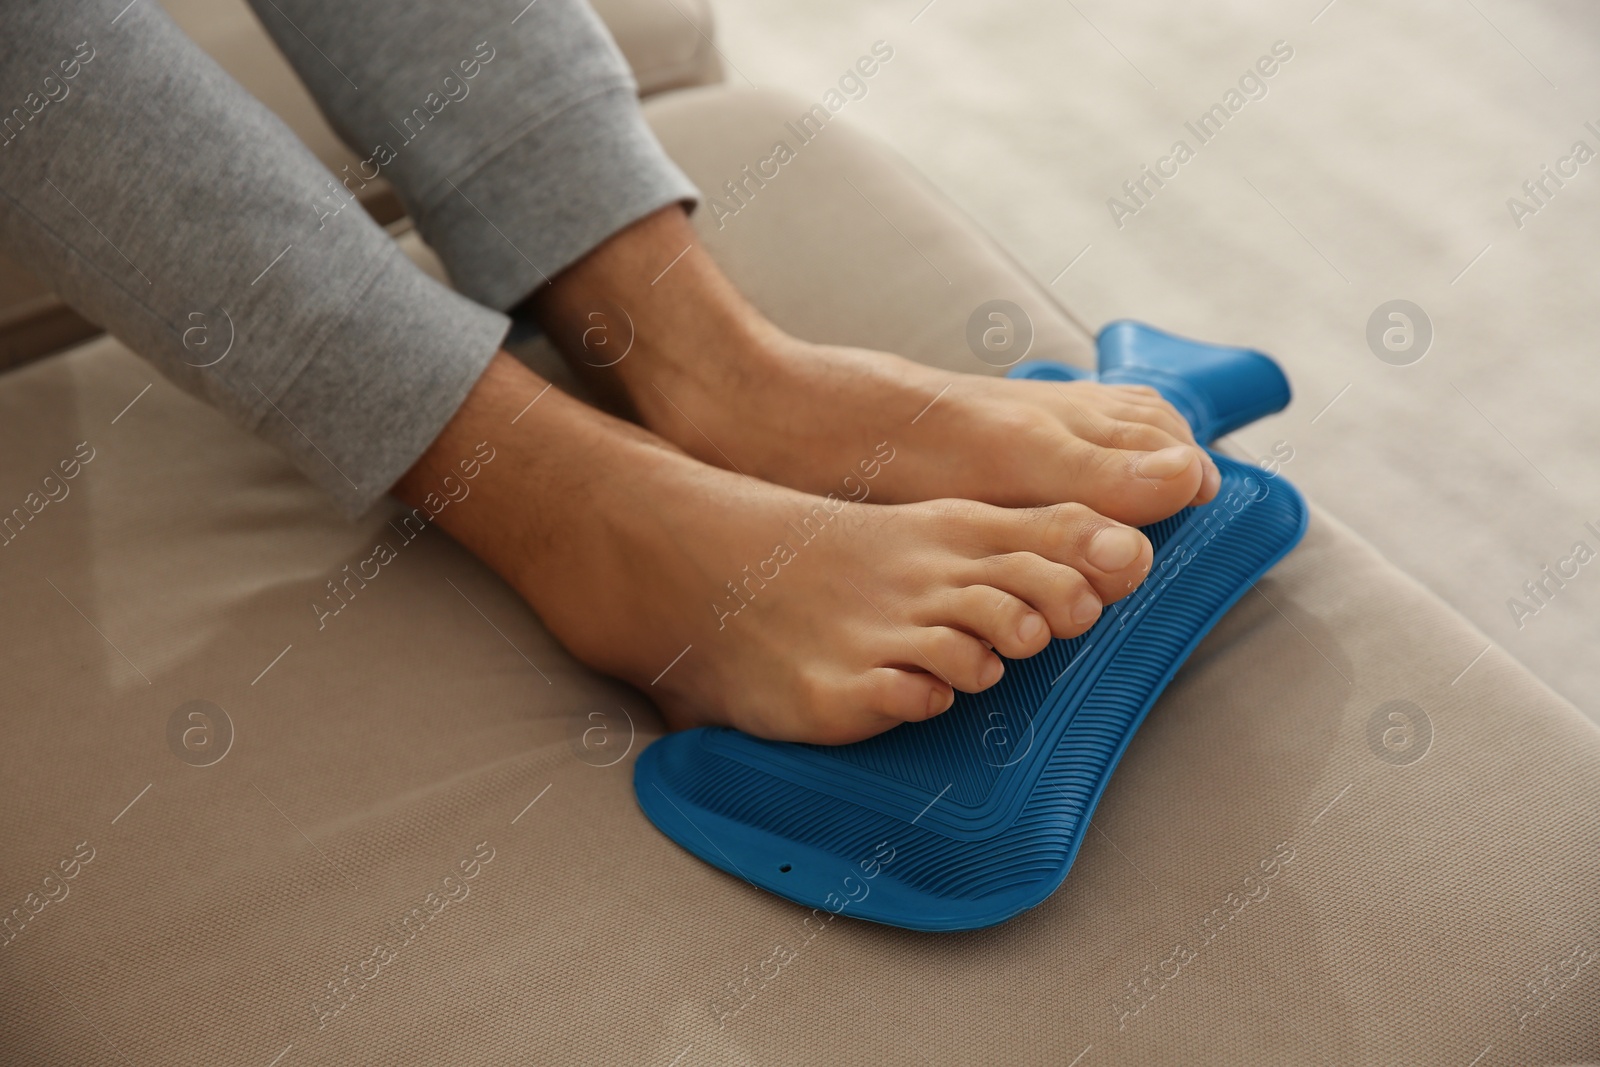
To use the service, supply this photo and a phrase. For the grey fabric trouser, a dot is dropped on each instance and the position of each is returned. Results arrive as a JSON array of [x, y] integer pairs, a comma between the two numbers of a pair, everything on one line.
[[161, 200]]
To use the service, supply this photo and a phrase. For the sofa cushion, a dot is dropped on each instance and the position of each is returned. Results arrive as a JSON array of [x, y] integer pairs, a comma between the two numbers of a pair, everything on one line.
[[1280, 871]]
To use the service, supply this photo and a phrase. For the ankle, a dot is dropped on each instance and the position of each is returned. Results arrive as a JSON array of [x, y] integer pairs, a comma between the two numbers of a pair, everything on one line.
[[535, 447], [648, 316]]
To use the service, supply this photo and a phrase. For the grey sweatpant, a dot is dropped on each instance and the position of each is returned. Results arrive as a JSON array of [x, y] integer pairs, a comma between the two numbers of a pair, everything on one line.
[[166, 204]]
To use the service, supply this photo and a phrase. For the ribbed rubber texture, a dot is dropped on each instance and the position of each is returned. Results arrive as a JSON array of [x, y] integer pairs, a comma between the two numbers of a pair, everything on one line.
[[973, 816]]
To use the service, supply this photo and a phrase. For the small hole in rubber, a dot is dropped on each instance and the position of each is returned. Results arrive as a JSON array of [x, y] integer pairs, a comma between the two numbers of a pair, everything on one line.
[[785, 869]]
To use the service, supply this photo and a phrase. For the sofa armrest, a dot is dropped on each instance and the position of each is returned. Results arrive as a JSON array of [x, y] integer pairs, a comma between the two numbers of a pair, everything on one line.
[[668, 43]]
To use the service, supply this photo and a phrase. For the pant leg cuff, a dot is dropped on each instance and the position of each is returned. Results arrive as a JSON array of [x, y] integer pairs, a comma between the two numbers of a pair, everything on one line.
[[383, 384], [550, 197]]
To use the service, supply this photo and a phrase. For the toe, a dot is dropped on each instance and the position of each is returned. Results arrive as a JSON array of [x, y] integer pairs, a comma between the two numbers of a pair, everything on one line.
[[1169, 463], [1149, 406], [957, 658], [1145, 406], [1209, 484], [904, 696], [1117, 558], [1138, 487], [1058, 592], [1086, 409], [1132, 435], [1151, 425], [1111, 556], [835, 704], [1007, 622]]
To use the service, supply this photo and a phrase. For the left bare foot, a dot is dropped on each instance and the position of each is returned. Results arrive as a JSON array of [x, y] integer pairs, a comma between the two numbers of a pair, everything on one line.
[[708, 372]]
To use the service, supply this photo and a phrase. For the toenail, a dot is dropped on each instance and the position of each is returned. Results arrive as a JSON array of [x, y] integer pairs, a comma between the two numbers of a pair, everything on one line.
[[1115, 547], [1212, 481], [1167, 463], [939, 700], [1032, 628], [991, 672], [1086, 610]]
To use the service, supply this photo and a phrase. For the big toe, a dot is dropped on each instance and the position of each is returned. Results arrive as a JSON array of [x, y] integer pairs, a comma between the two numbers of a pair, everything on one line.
[[1112, 557], [1144, 487]]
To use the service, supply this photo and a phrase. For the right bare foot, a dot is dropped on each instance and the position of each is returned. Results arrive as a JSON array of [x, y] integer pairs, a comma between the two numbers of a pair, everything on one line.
[[736, 602]]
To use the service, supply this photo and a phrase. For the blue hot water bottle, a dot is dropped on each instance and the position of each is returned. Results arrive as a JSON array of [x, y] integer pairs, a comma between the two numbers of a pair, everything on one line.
[[966, 819]]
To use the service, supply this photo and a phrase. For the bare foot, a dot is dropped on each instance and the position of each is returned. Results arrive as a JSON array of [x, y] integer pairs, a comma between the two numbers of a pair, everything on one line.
[[729, 600], [709, 373]]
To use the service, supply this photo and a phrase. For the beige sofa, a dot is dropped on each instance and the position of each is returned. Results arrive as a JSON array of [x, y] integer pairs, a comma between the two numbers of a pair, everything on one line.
[[409, 836]]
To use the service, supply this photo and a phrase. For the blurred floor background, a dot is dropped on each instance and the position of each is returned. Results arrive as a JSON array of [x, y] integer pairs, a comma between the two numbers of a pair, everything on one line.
[[1377, 166]]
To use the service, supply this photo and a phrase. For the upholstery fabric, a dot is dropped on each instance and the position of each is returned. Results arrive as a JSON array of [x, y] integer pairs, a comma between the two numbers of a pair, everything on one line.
[[1269, 878]]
